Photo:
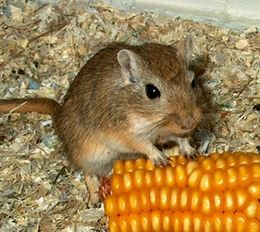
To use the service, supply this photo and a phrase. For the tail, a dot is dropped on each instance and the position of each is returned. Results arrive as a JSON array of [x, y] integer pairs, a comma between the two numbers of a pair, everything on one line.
[[39, 105]]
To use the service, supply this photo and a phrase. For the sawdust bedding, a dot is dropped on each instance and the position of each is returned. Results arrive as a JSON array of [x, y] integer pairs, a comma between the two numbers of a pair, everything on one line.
[[43, 47]]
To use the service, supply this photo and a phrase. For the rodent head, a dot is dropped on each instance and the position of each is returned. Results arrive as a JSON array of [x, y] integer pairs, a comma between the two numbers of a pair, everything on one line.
[[159, 88]]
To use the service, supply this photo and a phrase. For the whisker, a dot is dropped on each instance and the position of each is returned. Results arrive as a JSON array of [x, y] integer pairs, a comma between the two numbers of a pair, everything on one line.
[[150, 129]]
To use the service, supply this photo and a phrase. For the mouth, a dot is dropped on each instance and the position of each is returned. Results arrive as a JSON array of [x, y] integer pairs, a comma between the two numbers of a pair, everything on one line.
[[187, 132], [177, 131], [180, 130], [189, 129], [184, 124]]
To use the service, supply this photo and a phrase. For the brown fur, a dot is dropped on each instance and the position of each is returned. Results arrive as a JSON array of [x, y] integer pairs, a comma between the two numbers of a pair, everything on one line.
[[106, 114], [40, 105]]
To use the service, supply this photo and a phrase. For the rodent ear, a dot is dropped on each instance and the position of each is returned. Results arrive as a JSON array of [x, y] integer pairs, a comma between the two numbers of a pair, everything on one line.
[[129, 62], [186, 49]]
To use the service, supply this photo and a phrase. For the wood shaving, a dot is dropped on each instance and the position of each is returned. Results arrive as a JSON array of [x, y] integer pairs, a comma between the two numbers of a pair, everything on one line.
[[43, 46], [241, 44]]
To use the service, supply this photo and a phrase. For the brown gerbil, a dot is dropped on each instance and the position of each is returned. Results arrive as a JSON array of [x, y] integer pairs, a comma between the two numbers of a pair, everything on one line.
[[122, 102]]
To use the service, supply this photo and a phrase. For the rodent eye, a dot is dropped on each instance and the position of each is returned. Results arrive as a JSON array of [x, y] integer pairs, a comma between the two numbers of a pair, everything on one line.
[[193, 83], [152, 91], [192, 78]]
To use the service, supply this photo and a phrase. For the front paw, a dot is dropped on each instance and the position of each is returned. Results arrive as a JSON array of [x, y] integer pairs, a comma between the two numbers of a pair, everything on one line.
[[186, 149], [190, 153], [160, 160]]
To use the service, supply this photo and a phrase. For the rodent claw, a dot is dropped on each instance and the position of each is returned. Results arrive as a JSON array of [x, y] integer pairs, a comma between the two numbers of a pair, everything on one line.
[[191, 156], [162, 160]]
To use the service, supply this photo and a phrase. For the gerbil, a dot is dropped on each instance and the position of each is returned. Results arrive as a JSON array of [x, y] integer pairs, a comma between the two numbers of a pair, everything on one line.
[[122, 102]]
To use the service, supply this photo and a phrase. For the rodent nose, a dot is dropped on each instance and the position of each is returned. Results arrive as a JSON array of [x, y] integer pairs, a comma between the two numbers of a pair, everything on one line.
[[188, 123]]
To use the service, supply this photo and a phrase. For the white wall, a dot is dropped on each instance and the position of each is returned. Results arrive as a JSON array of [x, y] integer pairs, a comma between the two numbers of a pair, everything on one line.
[[231, 13]]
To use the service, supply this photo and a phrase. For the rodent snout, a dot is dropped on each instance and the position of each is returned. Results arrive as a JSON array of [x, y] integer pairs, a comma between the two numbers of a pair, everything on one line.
[[190, 121]]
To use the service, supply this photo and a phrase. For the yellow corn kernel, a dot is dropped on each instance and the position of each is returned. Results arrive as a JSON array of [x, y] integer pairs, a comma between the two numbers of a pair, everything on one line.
[[159, 176], [128, 182], [180, 176], [244, 159], [229, 200], [197, 219], [217, 222], [138, 177], [165, 194], [149, 165], [243, 175], [134, 202], [184, 199], [167, 221], [254, 190], [174, 199], [118, 167], [220, 163], [140, 164], [145, 202], [156, 220], [208, 224], [148, 179], [195, 200], [253, 226], [231, 160], [252, 209], [205, 182], [129, 165], [220, 192], [187, 222], [177, 221], [191, 166], [218, 201], [122, 205], [194, 178], [117, 182], [219, 179], [170, 180], [240, 220], [154, 197], [242, 198], [134, 222], [145, 221], [231, 177], [255, 171], [207, 165]]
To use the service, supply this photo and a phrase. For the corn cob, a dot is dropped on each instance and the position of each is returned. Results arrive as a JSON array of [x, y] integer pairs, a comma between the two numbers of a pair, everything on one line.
[[220, 192]]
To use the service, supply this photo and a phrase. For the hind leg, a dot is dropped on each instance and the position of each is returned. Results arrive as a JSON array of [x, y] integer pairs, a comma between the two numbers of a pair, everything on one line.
[[92, 183]]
